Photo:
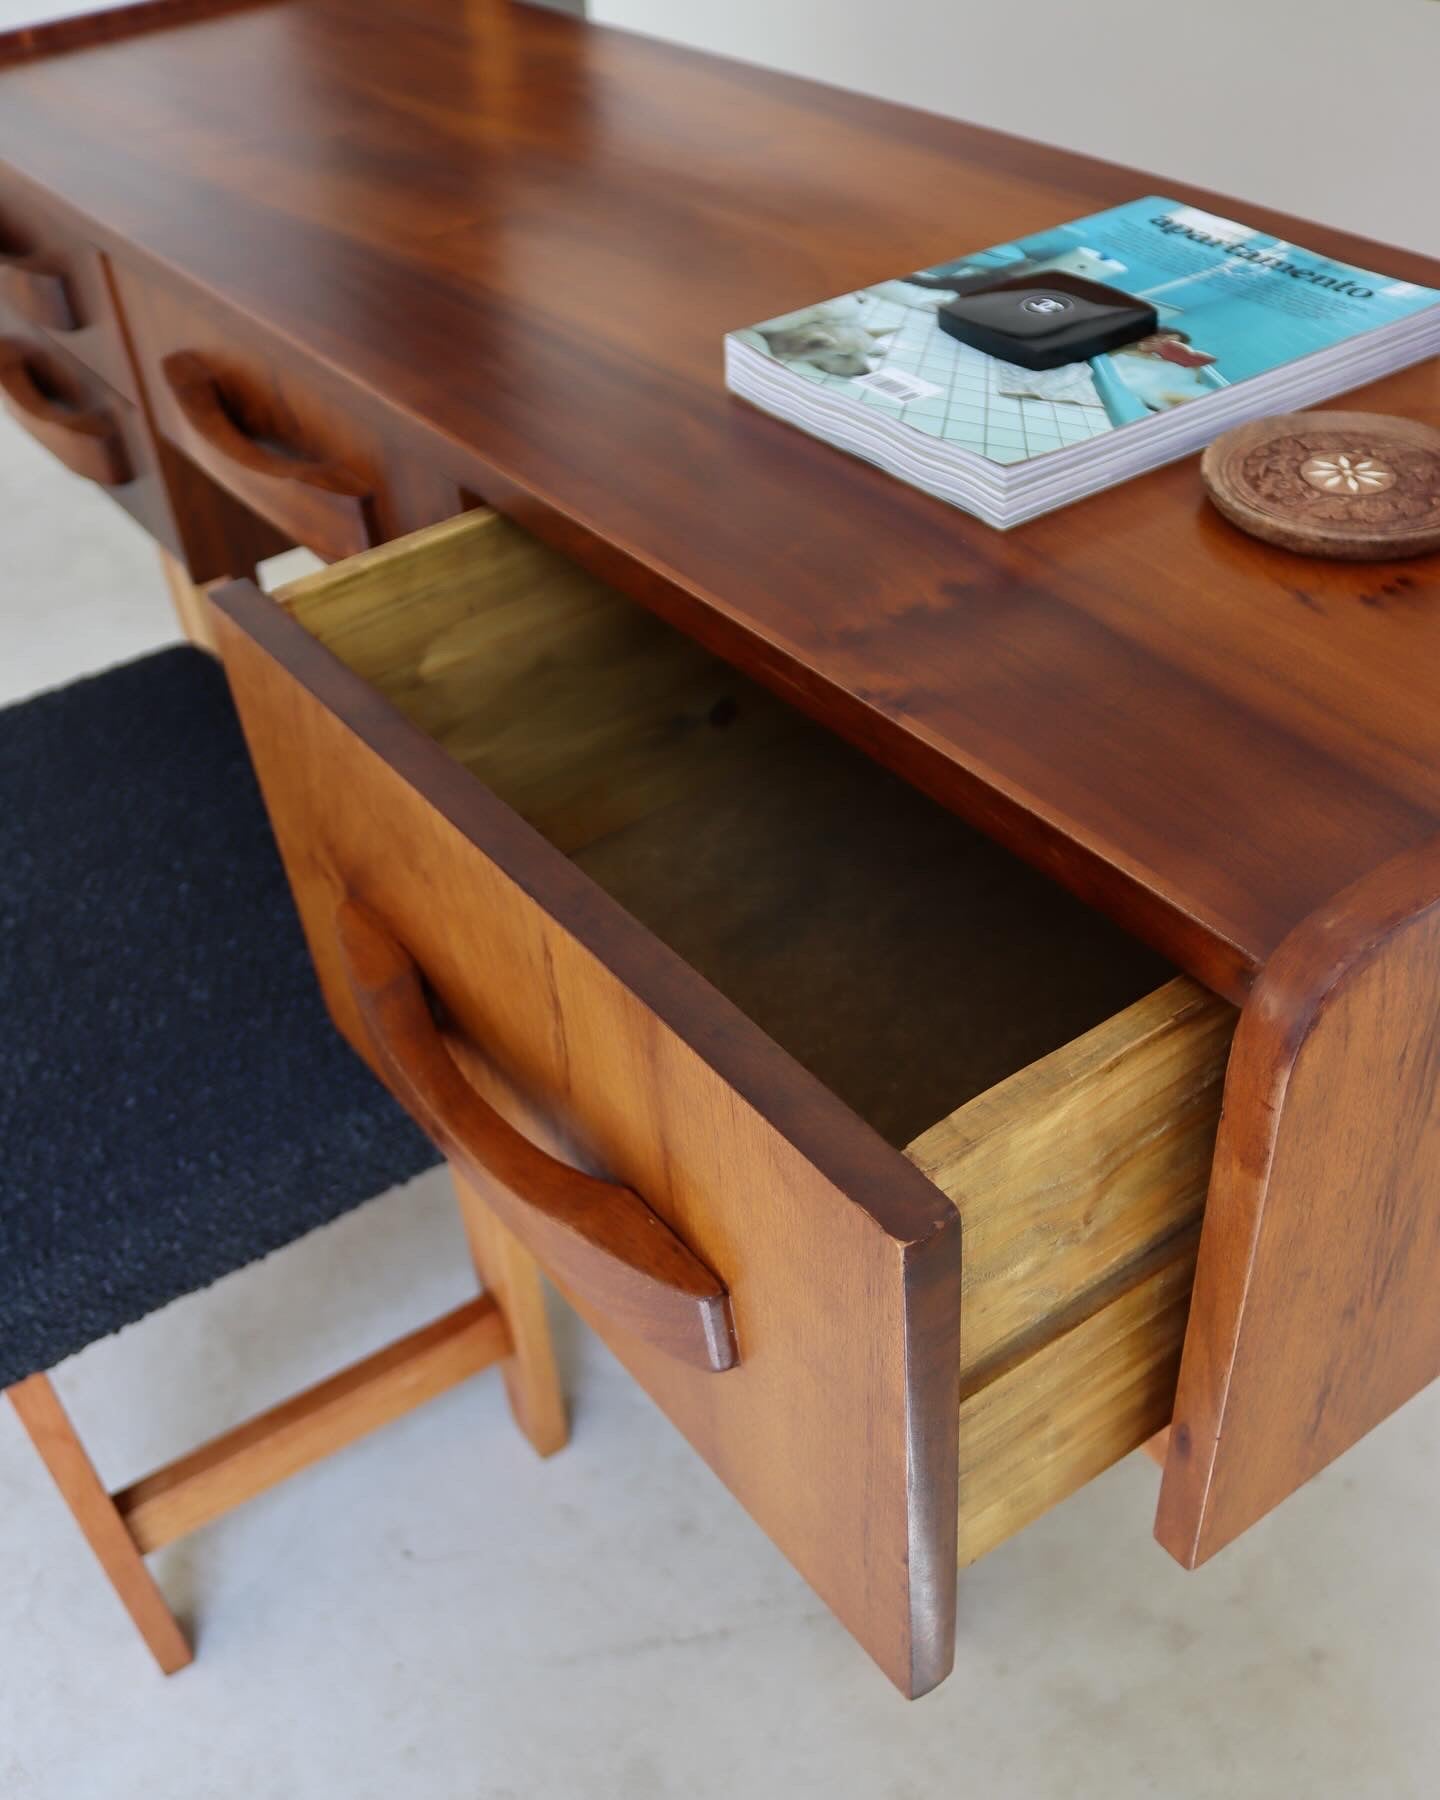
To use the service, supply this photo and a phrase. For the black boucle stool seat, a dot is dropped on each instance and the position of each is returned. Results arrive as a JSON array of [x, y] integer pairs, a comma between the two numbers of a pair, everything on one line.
[[174, 1102]]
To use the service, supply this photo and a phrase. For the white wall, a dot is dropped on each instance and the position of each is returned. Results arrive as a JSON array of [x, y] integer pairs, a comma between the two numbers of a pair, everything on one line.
[[1325, 108]]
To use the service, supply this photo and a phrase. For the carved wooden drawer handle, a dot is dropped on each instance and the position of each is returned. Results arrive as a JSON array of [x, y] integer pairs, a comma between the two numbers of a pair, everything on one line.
[[36, 287], [599, 1239], [87, 442], [321, 504]]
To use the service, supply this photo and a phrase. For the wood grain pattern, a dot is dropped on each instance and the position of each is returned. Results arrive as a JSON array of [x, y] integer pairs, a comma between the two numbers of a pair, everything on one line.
[[1069, 1175], [599, 1238], [53, 278], [191, 610], [57, 392], [1315, 1312], [48, 1426], [850, 918], [509, 1272], [296, 422], [644, 1075], [207, 532], [1080, 1184], [1076, 1179], [1079, 1168], [1040, 1429], [87, 442], [578, 707], [498, 240], [322, 504], [303, 1430], [514, 243]]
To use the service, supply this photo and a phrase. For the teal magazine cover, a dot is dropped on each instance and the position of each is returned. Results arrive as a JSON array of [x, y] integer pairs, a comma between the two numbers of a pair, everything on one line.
[[1231, 304]]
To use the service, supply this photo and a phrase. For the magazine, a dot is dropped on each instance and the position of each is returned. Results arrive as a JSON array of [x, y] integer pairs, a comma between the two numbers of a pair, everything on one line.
[[1236, 324]]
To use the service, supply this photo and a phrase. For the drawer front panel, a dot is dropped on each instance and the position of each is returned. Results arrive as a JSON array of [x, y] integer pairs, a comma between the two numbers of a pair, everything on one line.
[[284, 441], [53, 281], [86, 426], [836, 1427]]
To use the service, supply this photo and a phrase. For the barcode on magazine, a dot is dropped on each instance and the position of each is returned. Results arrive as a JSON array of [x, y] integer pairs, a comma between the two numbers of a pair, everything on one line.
[[890, 384]]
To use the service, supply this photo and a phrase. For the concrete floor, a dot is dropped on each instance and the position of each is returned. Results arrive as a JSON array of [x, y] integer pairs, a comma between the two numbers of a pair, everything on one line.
[[436, 1615]]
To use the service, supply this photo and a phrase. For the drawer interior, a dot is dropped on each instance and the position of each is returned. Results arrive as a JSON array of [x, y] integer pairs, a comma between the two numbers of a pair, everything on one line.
[[902, 957], [1045, 1070]]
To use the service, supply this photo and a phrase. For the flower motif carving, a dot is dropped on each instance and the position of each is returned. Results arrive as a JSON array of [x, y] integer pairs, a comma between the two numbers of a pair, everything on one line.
[[1347, 472]]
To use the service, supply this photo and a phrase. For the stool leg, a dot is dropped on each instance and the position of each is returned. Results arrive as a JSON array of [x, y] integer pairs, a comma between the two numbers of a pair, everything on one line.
[[507, 1270], [188, 601], [52, 1434]]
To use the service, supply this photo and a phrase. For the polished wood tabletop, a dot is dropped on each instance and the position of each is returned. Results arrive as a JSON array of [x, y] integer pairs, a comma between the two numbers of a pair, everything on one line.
[[527, 239]]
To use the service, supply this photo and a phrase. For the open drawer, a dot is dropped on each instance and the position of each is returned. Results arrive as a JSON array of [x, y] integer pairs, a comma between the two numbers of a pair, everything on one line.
[[900, 1150]]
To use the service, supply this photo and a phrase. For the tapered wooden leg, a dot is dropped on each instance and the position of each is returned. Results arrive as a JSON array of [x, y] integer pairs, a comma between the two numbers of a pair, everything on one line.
[[508, 1271], [52, 1434], [188, 601]]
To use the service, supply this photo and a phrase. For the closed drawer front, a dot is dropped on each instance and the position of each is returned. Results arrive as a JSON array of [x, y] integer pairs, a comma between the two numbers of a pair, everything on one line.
[[897, 1152], [53, 281], [89, 428], [281, 439]]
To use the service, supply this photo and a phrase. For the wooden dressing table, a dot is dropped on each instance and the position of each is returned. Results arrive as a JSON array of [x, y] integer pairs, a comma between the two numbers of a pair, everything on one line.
[[670, 806]]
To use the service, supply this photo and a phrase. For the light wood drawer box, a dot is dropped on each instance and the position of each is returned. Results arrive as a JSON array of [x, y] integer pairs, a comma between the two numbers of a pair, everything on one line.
[[272, 430], [53, 281], [940, 1133]]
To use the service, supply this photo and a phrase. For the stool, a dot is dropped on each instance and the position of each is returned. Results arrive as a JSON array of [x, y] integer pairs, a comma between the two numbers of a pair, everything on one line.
[[174, 1104]]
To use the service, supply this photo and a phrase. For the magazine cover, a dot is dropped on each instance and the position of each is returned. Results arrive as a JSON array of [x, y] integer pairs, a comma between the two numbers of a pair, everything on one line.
[[1230, 303]]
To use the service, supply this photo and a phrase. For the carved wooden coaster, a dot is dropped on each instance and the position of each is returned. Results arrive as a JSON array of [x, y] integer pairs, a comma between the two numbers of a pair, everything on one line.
[[1359, 485]]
